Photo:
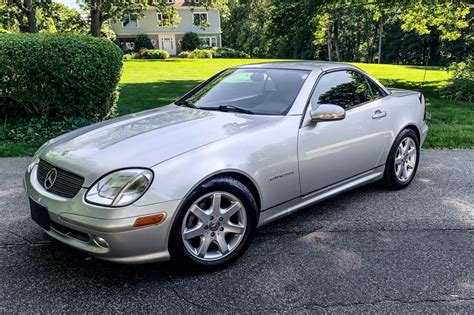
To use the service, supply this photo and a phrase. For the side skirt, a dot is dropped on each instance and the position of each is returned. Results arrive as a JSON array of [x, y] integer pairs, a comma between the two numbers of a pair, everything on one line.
[[302, 202]]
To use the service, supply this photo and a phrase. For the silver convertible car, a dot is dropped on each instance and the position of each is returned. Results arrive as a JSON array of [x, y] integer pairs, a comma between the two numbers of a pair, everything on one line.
[[193, 180]]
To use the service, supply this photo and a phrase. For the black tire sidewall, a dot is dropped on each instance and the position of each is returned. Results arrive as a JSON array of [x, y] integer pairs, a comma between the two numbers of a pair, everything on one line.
[[230, 185], [390, 177]]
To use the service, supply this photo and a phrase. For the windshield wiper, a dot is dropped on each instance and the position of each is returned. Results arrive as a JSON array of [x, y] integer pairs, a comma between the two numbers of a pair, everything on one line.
[[229, 108], [186, 103]]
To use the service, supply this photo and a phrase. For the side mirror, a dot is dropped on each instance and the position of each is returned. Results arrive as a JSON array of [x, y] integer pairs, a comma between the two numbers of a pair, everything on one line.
[[327, 112]]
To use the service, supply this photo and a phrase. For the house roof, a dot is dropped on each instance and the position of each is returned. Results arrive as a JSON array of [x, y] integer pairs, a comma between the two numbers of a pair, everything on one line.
[[182, 3]]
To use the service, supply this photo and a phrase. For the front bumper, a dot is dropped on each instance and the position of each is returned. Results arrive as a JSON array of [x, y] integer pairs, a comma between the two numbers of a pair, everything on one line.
[[127, 244]]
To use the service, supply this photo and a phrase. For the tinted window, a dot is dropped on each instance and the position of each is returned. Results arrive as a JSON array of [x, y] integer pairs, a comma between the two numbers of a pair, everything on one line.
[[377, 92], [263, 91], [344, 88]]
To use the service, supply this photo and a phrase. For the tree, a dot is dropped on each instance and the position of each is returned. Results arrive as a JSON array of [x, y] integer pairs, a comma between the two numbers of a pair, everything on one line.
[[57, 17], [190, 41], [114, 10], [448, 17], [143, 42], [29, 8], [49, 17]]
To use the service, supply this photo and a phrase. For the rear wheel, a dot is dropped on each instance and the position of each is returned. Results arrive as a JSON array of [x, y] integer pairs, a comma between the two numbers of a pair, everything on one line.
[[215, 225], [402, 162]]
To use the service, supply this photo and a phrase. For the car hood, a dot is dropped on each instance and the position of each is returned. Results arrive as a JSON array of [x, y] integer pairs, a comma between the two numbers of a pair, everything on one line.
[[144, 139]]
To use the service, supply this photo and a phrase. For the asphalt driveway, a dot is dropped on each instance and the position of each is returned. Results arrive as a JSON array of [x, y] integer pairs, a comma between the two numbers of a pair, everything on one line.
[[367, 250]]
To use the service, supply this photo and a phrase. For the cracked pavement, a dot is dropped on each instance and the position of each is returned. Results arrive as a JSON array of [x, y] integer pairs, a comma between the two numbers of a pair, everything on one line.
[[369, 250]]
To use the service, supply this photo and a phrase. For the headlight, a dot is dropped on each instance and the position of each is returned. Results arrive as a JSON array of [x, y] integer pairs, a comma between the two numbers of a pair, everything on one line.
[[120, 188]]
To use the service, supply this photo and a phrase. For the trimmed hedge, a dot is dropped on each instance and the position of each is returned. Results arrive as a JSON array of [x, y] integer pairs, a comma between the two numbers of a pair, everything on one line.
[[202, 53], [190, 42], [142, 42], [155, 54], [229, 53], [185, 54], [58, 75], [36, 130]]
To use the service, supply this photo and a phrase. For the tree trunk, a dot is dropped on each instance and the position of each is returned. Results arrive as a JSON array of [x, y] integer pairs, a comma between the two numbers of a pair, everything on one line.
[[372, 44], [96, 21], [329, 41], [336, 40], [31, 15], [380, 39]]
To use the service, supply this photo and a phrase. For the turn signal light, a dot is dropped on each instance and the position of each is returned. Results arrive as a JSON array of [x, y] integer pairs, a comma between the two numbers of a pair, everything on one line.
[[149, 220]]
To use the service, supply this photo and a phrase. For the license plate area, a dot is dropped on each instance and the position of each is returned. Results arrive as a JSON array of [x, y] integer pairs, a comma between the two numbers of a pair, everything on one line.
[[40, 215]]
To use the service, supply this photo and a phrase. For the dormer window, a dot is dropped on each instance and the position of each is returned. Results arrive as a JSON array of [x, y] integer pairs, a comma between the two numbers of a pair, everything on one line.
[[129, 21], [164, 20], [200, 19]]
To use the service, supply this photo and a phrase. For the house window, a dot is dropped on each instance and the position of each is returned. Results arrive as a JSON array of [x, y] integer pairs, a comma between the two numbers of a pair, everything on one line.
[[209, 41], [200, 19], [164, 20], [159, 19], [129, 21]]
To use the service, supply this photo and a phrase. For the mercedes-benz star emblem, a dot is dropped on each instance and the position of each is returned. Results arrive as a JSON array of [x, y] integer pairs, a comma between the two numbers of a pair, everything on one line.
[[50, 178]]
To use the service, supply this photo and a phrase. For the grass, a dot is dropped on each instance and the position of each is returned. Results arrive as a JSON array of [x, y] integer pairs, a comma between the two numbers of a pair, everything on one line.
[[149, 84]]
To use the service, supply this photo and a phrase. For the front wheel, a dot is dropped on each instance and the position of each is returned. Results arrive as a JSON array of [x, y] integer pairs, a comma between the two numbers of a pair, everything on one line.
[[402, 162], [215, 224]]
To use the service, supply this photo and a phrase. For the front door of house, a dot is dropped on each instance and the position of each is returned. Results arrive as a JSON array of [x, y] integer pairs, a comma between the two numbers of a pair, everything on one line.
[[168, 43]]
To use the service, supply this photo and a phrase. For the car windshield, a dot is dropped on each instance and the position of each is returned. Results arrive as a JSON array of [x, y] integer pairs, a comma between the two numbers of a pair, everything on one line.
[[252, 91]]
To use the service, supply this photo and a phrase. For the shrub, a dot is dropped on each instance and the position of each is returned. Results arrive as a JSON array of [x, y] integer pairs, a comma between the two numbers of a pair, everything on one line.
[[185, 54], [143, 42], [39, 129], [131, 56], [190, 42], [202, 53], [2, 30], [461, 86], [230, 53], [155, 54], [60, 75]]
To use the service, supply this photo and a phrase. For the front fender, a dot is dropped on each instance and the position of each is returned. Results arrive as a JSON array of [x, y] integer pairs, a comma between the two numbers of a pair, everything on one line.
[[261, 155]]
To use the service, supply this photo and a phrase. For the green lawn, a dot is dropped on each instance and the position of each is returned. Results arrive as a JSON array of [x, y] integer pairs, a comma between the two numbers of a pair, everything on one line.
[[149, 84]]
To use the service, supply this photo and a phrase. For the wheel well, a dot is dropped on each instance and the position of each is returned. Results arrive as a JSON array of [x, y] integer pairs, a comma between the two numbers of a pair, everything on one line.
[[415, 129], [244, 180]]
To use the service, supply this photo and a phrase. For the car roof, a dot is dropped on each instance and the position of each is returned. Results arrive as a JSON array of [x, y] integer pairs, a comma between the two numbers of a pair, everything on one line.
[[309, 65], [300, 65]]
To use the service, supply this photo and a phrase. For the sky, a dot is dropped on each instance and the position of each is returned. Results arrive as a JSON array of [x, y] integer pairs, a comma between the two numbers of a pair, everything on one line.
[[69, 3]]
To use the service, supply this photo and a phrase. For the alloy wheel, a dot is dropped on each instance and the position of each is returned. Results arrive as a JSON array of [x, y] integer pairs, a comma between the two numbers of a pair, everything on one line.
[[214, 226], [405, 159]]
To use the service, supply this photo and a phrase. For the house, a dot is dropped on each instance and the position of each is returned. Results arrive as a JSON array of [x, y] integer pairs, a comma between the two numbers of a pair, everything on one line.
[[205, 22]]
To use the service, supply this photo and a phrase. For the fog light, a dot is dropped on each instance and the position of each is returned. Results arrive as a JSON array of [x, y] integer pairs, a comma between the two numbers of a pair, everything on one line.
[[101, 242]]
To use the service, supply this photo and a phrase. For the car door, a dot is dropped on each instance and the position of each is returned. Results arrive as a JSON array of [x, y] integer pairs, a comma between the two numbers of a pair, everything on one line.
[[332, 151]]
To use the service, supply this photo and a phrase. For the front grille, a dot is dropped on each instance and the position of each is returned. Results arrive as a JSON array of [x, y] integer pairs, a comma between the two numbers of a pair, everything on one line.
[[66, 184]]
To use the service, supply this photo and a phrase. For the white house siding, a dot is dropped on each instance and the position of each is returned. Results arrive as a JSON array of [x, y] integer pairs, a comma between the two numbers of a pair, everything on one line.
[[149, 26]]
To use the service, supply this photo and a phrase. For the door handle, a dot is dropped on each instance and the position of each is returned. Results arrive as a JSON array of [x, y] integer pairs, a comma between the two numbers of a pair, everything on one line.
[[379, 114]]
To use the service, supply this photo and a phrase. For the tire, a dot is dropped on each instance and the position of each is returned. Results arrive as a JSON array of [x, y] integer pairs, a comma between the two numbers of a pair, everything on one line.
[[198, 224], [396, 176]]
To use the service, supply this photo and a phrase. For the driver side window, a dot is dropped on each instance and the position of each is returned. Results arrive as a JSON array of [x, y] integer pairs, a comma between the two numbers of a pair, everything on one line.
[[345, 88]]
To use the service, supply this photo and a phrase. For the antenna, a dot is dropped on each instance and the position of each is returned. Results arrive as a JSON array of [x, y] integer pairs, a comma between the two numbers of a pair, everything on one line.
[[424, 74]]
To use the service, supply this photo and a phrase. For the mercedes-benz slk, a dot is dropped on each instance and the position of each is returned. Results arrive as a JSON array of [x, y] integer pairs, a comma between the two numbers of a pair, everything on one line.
[[193, 180]]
